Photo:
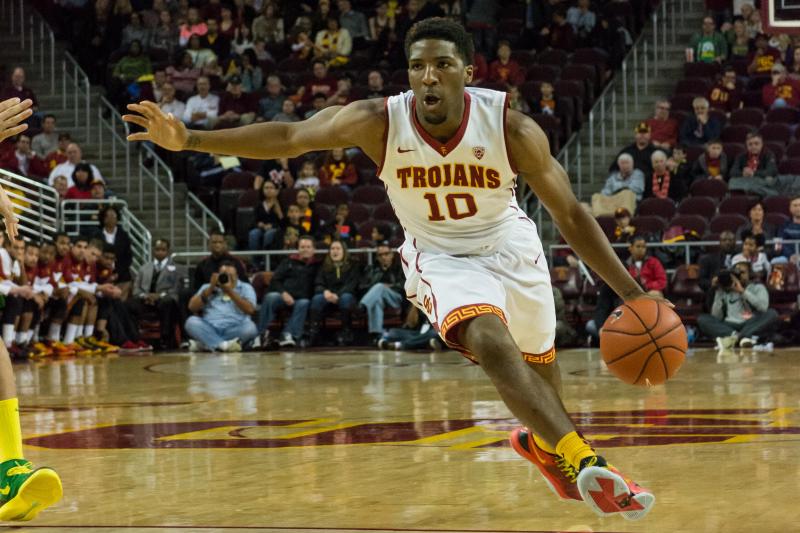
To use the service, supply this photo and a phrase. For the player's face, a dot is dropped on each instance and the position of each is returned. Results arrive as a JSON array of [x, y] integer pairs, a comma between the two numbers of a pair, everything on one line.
[[638, 250], [794, 208], [31, 256], [79, 250], [62, 246], [437, 75], [18, 250], [92, 254], [160, 250], [46, 254]]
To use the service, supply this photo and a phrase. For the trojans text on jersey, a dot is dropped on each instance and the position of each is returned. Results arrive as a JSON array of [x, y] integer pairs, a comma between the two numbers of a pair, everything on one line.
[[449, 175]]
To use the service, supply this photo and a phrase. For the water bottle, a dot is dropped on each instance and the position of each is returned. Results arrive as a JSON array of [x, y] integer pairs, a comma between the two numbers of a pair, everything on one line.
[[691, 333]]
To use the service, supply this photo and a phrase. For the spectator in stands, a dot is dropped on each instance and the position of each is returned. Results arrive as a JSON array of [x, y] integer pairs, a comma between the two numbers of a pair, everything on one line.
[[292, 286], [135, 30], [701, 127], [763, 58], [712, 262], [337, 170], [334, 288], [307, 178], [60, 185], [641, 150], [333, 45], [662, 184], [517, 102], [610, 35], [546, 104], [227, 26], [712, 164], [624, 188], [755, 169], [583, 20], [319, 18], [59, 155], [168, 102], [202, 56], [381, 232], [235, 106], [268, 216], [504, 69], [185, 75], [74, 156], [116, 237], [135, 64], [202, 108], [213, 40], [559, 34], [23, 160], [679, 166], [250, 72], [192, 26], [757, 225], [341, 227], [375, 87], [98, 190], [303, 46], [646, 270], [226, 304], [18, 89], [342, 94], [791, 231], [623, 230], [165, 36], [794, 64], [725, 96], [416, 333], [381, 22], [759, 264], [781, 91], [272, 102], [321, 82], [151, 90], [317, 104], [354, 22], [81, 188], [218, 247], [287, 113], [277, 171], [308, 219], [47, 141], [708, 46], [738, 39], [156, 290], [243, 41], [740, 312], [269, 24], [663, 128], [383, 283]]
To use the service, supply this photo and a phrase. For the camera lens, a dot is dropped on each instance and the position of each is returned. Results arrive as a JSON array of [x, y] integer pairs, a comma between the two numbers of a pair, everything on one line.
[[223, 279]]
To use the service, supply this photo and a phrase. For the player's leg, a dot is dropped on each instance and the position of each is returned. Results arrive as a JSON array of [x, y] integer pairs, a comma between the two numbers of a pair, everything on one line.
[[24, 491]]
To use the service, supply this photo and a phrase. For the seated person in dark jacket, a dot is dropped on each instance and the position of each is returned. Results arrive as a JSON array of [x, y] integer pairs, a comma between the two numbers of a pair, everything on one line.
[[209, 266], [756, 162], [112, 233], [701, 127], [292, 286], [417, 333], [712, 164], [713, 262], [383, 282], [336, 283]]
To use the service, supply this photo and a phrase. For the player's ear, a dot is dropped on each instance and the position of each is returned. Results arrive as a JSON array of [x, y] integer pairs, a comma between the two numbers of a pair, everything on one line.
[[469, 72]]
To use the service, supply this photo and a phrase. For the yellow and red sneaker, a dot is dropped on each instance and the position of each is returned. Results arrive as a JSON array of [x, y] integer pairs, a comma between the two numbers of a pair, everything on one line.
[[87, 343], [80, 350], [105, 346], [607, 491], [61, 350], [559, 475], [43, 348]]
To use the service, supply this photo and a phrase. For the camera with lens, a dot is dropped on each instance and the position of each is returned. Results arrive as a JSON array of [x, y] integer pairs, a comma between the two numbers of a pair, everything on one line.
[[725, 279], [223, 278]]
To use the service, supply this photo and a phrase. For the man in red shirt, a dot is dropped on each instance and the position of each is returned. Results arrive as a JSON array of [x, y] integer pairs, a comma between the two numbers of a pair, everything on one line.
[[504, 69], [725, 96], [320, 83], [24, 161], [236, 108], [663, 129], [782, 91]]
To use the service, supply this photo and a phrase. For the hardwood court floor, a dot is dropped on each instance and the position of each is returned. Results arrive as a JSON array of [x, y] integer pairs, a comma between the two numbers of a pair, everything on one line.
[[383, 441]]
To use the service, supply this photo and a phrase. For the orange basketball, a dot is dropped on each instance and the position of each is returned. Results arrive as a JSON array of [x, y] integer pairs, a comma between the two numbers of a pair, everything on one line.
[[643, 342]]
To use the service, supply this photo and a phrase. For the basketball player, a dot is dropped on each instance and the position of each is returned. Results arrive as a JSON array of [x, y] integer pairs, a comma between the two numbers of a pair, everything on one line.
[[24, 491], [448, 156]]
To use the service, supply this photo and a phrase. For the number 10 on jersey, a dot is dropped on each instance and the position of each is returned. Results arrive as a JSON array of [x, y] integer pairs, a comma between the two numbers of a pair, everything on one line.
[[459, 205]]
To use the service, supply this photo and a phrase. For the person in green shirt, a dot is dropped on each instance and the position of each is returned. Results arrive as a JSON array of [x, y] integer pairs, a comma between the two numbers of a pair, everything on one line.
[[709, 45], [129, 69]]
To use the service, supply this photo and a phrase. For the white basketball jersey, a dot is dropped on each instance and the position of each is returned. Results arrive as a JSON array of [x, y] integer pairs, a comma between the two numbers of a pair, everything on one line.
[[456, 198]]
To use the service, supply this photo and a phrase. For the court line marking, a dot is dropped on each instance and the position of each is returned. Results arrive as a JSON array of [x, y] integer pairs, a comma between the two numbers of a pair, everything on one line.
[[301, 528]]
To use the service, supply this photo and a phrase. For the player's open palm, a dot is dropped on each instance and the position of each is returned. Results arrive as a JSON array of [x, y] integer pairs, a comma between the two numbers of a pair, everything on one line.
[[12, 112], [161, 128]]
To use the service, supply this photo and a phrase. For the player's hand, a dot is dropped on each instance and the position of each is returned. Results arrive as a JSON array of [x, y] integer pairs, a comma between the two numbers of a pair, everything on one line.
[[214, 281], [12, 112], [163, 129], [650, 296]]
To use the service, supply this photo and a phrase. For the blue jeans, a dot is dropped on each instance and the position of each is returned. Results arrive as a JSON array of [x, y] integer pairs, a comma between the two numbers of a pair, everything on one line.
[[261, 239], [411, 339], [376, 300], [272, 303], [320, 307], [211, 336]]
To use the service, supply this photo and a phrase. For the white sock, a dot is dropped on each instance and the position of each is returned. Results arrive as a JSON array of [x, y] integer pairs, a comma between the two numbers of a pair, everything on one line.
[[88, 330], [29, 335], [19, 338], [37, 332], [54, 333], [79, 331], [8, 334], [69, 336]]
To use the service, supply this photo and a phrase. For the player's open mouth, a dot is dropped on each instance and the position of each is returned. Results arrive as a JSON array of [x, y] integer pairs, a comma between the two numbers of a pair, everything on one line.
[[431, 100]]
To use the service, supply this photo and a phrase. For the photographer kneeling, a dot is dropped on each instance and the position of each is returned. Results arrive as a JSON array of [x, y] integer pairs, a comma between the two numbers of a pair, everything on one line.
[[740, 312], [226, 305]]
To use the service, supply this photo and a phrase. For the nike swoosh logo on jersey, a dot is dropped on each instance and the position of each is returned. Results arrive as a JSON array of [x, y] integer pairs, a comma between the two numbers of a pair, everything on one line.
[[401, 151]]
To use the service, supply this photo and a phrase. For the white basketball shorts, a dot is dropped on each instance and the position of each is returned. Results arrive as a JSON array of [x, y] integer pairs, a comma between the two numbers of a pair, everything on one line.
[[512, 283]]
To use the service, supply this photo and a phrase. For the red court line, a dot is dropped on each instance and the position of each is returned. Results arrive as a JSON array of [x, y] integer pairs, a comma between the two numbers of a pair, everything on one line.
[[300, 528]]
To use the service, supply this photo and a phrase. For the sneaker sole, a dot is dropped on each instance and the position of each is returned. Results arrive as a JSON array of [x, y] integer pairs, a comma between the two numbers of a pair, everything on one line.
[[514, 440], [41, 490], [594, 484]]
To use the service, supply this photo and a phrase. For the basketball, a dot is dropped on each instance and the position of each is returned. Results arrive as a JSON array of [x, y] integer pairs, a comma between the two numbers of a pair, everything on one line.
[[643, 342]]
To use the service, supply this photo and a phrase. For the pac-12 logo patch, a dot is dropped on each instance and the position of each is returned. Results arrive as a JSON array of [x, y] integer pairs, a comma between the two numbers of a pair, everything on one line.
[[478, 151]]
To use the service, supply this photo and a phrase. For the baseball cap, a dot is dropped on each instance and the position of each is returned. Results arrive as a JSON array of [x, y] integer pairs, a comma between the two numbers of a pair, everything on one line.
[[621, 212], [642, 127]]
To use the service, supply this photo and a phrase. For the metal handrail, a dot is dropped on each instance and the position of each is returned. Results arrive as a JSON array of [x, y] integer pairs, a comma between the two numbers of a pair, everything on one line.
[[82, 84], [71, 221], [269, 254], [206, 216], [35, 205]]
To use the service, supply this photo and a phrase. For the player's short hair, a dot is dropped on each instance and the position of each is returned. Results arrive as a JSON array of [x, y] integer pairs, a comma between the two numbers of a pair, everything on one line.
[[215, 233], [32, 244], [80, 238], [444, 30], [165, 241], [96, 243], [636, 237]]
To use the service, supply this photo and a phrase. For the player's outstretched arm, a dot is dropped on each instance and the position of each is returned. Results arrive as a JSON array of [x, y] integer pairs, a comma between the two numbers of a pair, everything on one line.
[[335, 127], [530, 150]]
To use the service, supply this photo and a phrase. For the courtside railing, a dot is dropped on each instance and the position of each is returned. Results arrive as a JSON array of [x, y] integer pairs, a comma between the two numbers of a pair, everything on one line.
[[271, 257], [80, 217], [207, 219], [35, 205]]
